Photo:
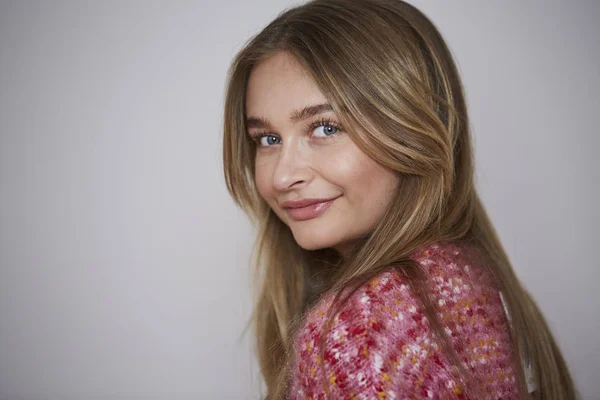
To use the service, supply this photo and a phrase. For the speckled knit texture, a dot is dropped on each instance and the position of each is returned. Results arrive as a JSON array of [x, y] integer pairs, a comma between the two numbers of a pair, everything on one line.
[[380, 345]]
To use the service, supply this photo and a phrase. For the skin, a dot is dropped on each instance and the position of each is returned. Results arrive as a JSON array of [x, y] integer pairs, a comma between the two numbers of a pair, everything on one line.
[[295, 160]]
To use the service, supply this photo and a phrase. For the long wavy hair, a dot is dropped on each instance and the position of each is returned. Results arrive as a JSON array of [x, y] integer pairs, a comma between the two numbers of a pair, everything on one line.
[[392, 82]]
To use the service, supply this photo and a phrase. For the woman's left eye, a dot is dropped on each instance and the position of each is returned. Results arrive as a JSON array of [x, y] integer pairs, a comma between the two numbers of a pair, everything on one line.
[[325, 130]]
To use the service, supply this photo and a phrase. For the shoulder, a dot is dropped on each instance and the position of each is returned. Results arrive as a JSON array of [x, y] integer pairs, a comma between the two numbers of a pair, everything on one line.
[[380, 343], [360, 344]]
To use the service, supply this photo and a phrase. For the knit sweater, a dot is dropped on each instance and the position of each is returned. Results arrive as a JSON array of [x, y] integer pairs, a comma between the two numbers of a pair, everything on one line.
[[381, 346]]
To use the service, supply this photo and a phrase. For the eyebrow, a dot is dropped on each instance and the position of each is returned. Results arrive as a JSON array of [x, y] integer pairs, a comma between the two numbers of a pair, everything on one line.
[[295, 116]]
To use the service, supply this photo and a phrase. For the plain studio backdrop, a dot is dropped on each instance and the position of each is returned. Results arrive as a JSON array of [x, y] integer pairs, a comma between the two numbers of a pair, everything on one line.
[[123, 262]]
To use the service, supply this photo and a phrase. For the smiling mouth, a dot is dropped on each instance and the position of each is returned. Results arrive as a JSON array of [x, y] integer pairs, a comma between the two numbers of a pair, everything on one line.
[[310, 211]]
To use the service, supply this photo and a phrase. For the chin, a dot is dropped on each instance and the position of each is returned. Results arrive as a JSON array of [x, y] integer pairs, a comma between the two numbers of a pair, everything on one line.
[[314, 238]]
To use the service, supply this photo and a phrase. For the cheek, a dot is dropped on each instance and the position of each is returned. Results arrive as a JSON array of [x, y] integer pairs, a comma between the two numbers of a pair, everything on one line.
[[352, 170], [341, 167], [369, 185], [381, 184], [262, 178]]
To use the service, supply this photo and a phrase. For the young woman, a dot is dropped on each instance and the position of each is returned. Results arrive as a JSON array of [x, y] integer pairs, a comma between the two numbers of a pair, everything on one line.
[[380, 276]]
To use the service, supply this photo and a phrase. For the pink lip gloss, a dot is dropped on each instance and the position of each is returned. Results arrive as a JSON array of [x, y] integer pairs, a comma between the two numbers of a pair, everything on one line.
[[309, 212]]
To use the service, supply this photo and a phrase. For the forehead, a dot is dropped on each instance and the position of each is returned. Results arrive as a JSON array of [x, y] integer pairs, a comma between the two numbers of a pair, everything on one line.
[[279, 85]]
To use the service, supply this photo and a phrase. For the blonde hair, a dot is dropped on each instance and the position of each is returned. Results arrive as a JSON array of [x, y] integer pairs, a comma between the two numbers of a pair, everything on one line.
[[392, 82]]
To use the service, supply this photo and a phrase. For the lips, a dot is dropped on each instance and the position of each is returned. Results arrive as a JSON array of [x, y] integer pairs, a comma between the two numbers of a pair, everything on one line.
[[305, 209]]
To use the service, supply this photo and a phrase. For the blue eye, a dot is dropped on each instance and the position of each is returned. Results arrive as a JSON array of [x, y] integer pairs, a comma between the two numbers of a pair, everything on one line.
[[326, 130], [269, 140]]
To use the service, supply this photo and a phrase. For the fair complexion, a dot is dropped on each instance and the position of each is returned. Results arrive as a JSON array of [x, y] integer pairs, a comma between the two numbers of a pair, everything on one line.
[[305, 156]]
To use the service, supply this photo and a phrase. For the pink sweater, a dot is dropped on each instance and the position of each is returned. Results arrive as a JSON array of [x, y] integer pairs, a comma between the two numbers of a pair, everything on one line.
[[380, 345]]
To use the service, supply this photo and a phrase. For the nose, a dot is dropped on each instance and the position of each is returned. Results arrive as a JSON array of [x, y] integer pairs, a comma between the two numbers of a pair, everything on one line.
[[292, 169]]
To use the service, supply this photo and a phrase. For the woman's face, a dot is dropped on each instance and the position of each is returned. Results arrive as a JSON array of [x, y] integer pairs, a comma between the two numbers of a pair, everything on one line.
[[308, 170]]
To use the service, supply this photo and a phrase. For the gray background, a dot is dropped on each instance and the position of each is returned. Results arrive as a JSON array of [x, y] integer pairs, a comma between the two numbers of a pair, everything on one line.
[[124, 264]]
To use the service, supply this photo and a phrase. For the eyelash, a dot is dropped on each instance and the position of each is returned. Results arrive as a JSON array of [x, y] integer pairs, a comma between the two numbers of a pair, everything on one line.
[[311, 127]]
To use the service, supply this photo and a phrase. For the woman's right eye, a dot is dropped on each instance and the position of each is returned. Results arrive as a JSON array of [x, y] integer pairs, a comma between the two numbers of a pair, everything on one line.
[[268, 140]]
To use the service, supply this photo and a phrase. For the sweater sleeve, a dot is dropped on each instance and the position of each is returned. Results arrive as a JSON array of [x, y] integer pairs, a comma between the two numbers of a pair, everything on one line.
[[378, 347]]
